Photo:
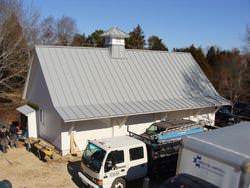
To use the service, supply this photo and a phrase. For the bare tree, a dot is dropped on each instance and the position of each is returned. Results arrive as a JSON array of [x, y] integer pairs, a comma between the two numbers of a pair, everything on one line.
[[18, 34], [247, 40], [66, 28], [231, 74], [28, 18], [48, 31], [246, 61]]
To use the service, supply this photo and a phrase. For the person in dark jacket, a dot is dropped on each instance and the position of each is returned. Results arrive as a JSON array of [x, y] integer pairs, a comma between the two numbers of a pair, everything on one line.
[[4, 139], [13, 135]]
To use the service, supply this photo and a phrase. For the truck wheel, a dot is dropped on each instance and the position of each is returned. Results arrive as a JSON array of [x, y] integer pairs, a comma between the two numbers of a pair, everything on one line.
[[119, 183]]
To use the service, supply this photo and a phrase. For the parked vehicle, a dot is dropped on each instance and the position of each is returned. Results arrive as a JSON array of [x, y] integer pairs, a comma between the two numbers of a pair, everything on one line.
[[242, 110], [186, 180], [221, 157], [224, 117], [111, 162], [5, 184]]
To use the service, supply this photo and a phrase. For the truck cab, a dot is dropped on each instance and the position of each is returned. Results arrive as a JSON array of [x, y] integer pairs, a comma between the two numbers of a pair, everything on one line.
[[111, 162]]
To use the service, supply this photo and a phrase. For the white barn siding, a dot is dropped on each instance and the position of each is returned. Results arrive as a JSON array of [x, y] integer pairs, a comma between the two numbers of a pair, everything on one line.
[[37, 93], [106, 128], [84, 131]]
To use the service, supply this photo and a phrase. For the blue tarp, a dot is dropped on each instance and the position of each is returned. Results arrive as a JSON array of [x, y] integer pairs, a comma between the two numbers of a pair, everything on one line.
[[179, 133]]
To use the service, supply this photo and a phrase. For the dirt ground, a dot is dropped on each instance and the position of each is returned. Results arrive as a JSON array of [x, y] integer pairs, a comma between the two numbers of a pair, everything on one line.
[[24, 170]]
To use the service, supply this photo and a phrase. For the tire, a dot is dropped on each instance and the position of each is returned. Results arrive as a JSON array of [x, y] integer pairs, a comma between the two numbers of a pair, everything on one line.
[[39, 155], [119, 183]]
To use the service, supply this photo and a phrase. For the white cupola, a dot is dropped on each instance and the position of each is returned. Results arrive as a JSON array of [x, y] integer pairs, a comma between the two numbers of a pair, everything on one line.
[[115, 40]]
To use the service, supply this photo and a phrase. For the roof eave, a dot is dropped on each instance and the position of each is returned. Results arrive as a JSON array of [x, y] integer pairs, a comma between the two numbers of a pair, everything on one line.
[[142, 113]]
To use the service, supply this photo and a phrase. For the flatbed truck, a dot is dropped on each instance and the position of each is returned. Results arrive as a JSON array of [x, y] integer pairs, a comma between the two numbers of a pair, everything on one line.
[[111, 162]]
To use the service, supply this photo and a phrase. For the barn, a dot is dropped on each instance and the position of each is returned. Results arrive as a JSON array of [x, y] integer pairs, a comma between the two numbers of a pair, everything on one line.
[[96, 93]]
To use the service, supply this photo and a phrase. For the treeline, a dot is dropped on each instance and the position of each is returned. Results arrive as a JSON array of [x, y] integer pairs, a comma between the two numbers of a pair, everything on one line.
[[63, 32], [228, 70], [21, 29], [136, 40]]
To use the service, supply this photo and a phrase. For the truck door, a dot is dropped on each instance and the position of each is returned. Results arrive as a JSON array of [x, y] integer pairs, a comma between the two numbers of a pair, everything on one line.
[[114, 167], [137, 163]]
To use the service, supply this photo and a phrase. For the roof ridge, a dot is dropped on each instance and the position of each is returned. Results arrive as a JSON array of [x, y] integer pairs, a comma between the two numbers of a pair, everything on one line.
[[59, 46], [105, 48], [159, 51]]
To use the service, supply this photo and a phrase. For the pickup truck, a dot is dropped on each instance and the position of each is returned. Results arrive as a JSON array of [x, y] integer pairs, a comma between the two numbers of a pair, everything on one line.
[[111, 162], [220, 157]]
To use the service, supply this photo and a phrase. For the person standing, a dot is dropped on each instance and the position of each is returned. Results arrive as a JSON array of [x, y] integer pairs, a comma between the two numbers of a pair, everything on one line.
[[13, 135], [4, 139]]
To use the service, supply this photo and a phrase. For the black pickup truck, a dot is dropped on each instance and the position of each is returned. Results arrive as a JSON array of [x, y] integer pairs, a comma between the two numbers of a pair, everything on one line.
[[225, 117], [242, 110]]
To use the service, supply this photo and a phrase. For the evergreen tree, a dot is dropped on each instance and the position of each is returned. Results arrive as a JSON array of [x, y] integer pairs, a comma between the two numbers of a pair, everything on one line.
[[136, 38], [200, 57], [95, 38], [155, 43], [212, 55]]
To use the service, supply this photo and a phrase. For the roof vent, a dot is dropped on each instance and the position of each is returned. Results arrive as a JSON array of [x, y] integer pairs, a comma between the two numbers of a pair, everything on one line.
[[115, 40]]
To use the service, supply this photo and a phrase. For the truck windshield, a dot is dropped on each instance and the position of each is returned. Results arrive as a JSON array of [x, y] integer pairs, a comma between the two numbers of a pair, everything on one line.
[[93, 157]]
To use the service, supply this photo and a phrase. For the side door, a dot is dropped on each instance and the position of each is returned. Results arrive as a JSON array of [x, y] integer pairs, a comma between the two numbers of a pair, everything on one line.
[[114, 166], [137, 167]]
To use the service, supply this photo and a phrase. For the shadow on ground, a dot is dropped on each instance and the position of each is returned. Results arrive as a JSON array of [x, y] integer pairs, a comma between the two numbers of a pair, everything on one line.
[[74, 168]]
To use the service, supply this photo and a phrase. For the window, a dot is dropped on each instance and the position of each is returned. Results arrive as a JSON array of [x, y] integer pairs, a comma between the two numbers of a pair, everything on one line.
[[114, 157], [41, 116], [93, 157], [136, 153]]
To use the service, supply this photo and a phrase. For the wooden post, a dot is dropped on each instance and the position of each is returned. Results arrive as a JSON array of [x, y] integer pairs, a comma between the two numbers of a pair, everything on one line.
[[74, 149]]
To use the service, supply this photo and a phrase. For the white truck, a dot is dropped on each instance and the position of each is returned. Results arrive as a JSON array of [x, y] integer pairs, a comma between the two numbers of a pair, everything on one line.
[[111, 162], [124, 156], [220, 157]]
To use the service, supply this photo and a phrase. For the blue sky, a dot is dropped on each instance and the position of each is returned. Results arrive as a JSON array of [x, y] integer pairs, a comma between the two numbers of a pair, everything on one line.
[[179, 23]]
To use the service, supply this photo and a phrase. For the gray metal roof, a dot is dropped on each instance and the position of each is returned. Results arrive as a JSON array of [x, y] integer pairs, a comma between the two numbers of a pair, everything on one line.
[[25, 109], [86, 83], [115, 32], [229, 144]]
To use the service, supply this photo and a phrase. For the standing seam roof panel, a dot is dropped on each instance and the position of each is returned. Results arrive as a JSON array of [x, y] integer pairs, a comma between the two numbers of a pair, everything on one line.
[[87, 83]]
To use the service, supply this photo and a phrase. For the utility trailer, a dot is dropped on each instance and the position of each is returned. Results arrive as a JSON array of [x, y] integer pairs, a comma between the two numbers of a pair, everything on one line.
[[111, 162]]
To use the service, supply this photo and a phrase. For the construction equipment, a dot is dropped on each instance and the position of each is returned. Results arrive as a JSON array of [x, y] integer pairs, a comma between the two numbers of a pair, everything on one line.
[[41, 148]]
